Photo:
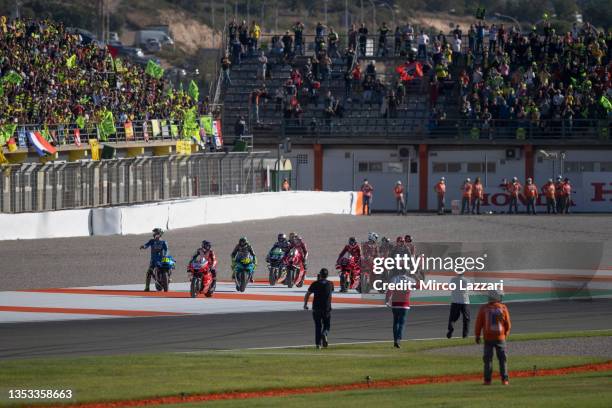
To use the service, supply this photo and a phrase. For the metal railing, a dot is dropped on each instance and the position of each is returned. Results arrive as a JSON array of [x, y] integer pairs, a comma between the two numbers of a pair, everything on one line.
[[372, 44], [449, 129], [142, 131], [52, 186]]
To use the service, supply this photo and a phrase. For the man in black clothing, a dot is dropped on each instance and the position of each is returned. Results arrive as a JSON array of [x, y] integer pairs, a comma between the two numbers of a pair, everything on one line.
[[321, 306]]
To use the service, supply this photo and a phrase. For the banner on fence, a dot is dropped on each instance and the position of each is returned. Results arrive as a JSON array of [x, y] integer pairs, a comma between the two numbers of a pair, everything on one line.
[[42, 146], [95, 149], [183, 147], [217, 135], [77, 137], [129, 131], [155, 128]]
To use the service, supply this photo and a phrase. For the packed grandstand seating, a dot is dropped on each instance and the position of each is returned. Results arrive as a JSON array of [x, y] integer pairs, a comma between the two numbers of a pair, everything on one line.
[[50, 77], [490, 82]]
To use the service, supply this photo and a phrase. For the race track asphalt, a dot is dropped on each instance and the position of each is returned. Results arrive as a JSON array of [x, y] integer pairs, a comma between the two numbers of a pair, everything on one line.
[[234, 331], [114, 260]]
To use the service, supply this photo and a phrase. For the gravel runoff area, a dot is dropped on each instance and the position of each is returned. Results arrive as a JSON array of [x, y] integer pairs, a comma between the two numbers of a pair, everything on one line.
[[577, 346], [107, 260]]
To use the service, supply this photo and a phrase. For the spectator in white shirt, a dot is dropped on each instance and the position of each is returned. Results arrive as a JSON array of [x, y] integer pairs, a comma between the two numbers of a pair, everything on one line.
[[422, 41], [460, 305]]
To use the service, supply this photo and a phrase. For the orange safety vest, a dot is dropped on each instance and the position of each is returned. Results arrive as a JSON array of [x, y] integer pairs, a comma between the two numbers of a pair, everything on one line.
[[467, 190], [493, 321], [567, 189], [531, 190], [399, 191], [549, 190], [440, 188], [478, 190]]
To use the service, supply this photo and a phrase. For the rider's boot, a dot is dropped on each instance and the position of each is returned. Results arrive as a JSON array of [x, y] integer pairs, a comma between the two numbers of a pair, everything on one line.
[[147, 281]]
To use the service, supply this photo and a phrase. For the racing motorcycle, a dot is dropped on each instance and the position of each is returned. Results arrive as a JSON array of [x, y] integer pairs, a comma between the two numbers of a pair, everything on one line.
[[350, 274], [244, 266], [294, 264], [162, 271], [276, 267], [201, 278]]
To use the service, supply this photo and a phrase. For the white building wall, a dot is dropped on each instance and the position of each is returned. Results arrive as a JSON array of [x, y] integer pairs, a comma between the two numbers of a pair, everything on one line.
[[346, 168], [302, 162], [503, 168]]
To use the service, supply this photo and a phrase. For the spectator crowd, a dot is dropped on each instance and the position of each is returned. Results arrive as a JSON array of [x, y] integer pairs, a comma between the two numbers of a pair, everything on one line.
[[502, 77], [50, 77]]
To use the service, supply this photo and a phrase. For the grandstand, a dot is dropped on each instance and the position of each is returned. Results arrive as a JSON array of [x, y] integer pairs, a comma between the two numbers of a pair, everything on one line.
[[490, 97]]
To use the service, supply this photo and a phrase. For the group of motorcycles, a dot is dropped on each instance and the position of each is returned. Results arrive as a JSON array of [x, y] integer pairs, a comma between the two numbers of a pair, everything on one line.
[[286, 266]]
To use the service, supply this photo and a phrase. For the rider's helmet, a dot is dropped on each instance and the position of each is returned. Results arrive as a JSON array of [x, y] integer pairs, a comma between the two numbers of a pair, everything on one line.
[[292, 236], [372, 237], [281, 237], [157, 232], [399, 240], [407, 238], [352, 241], [243, 241], [384, 240], [206, 245]]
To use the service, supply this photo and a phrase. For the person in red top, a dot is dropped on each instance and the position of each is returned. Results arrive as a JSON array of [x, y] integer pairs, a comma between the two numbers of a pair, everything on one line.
[[477, 195], [352, 249], [466, 199], [398, 191], [493, 322], [398, 300], [206, 252], [559, 194], [566, 194], [295, 241], [440, 189], [514, 189], [367, 190], [531, 194], [548, 190]]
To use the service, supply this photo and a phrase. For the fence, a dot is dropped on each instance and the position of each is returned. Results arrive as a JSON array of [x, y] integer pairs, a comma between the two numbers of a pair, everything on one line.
[[57, 186], [141, 131], [450, 129]]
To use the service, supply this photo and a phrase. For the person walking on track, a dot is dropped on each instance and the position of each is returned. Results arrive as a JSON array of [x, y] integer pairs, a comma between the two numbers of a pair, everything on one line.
[[460, 306], [321, 306], [398, 300]]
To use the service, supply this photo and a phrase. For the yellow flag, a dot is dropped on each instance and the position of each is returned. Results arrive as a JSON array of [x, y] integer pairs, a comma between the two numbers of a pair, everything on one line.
[[95, 149], [3, 159]]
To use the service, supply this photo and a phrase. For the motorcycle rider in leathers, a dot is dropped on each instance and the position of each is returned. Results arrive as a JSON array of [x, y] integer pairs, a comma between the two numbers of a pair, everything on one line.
[[159, 249], [297, 242], [243, 246], [206, 252], [353, 249]]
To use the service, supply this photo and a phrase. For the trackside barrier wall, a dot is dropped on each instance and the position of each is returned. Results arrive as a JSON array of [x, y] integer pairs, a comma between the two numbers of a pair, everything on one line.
[[139, 219], [52, 224]]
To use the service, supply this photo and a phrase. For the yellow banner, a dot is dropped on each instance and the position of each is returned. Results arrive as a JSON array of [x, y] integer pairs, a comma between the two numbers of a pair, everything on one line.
[[95, 149], [183, 147], [3, 159]]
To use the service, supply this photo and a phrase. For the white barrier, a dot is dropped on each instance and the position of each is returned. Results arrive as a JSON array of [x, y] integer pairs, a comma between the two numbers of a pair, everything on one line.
[[140, 219], [52, 224]]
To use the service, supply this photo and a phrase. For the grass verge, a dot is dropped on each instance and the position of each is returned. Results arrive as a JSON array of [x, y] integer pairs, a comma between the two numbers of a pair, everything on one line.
[[104, 378]]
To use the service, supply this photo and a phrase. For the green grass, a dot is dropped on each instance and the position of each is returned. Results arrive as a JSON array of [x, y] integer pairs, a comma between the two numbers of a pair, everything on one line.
[[576, 390], [137, 376]]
